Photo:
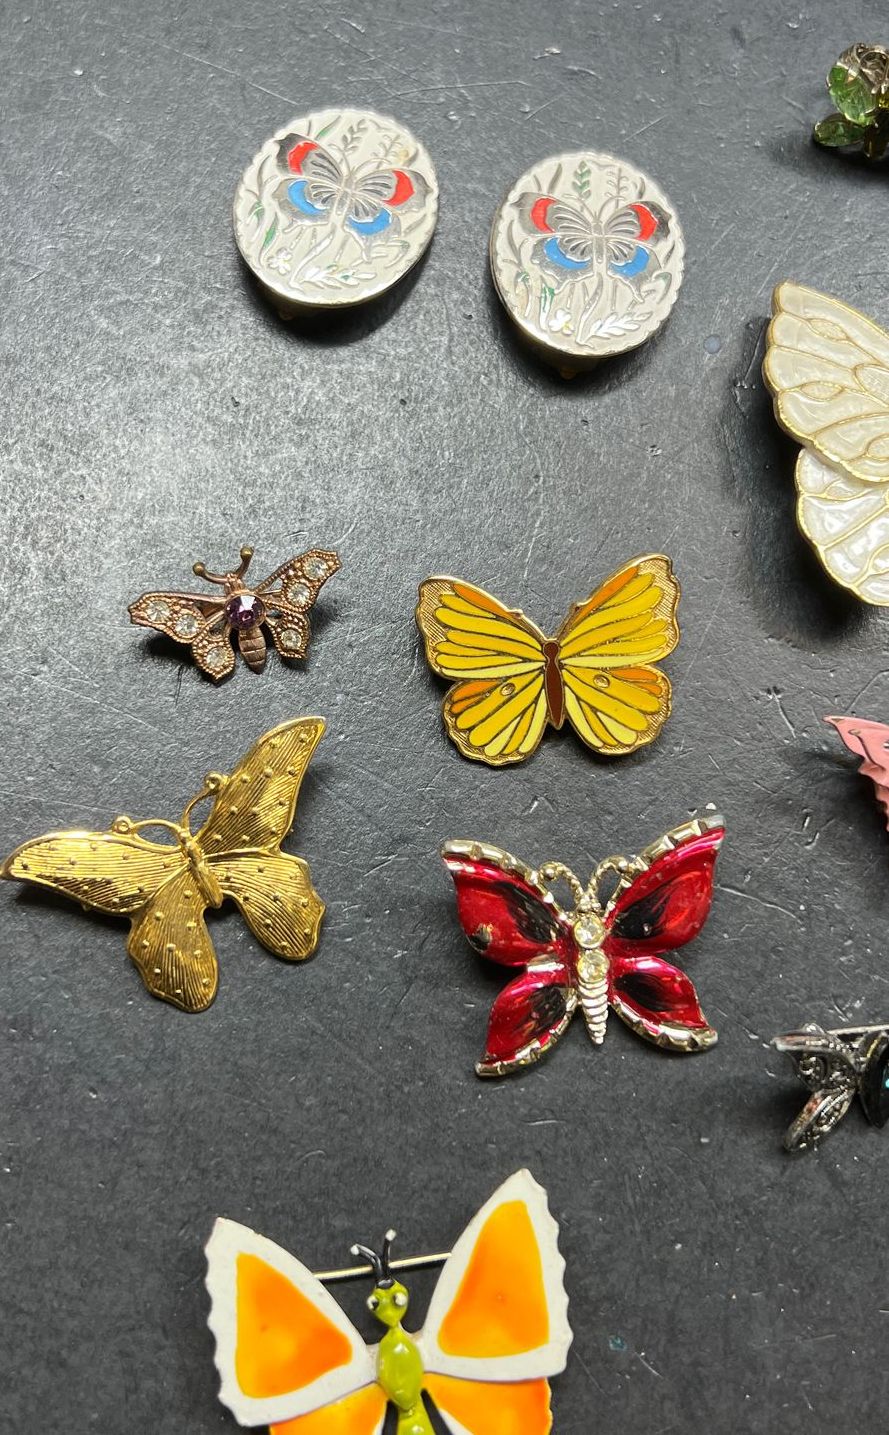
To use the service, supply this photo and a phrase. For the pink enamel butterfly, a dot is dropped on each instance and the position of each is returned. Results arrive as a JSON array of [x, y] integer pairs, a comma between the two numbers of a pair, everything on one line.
[[603, 953], [575, 242], [366, 200]]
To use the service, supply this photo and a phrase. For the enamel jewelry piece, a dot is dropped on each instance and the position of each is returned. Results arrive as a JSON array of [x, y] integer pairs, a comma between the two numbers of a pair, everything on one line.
[[165, 887], [495, 1332], [828, 369], [587, 256], [869, 741], [859, 87], [335, 209], [279, 605], [602, 952], [511, 681], [836, 1066]]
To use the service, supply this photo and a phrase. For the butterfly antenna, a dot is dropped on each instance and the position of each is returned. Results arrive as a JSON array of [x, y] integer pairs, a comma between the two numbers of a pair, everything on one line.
[[201, 571], [387, 1251], [552, 872], [372, 1259]]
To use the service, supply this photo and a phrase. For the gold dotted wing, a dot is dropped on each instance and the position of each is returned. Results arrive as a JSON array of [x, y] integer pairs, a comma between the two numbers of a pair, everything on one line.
[[277, 900], [171, 947], [114, 872], [253, 812]]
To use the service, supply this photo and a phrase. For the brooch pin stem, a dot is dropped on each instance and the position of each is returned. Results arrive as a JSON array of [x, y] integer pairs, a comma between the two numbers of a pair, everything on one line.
[[407, 1263]]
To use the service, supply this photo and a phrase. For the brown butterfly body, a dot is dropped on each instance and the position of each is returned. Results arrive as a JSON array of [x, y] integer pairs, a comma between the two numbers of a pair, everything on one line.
[[165, 887], [279, 605]]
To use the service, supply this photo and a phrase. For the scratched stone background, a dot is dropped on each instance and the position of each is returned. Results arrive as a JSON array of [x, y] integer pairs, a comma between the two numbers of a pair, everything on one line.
[[155, 410]]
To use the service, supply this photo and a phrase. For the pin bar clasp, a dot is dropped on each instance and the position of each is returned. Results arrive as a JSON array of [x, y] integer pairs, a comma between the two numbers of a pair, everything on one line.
[[410, 1263], [848, 1033]]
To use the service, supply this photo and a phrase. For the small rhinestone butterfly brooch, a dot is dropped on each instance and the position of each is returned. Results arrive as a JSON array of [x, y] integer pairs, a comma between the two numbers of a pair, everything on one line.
[[604, 952], [278, 604]]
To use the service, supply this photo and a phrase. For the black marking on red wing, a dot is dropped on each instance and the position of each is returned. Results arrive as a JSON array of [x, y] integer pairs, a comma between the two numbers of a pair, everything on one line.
[[644, 918], [645, 991], [534, 920]]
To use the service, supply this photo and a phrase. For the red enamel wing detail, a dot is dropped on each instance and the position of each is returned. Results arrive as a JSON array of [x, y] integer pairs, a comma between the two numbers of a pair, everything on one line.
[[596, 956]]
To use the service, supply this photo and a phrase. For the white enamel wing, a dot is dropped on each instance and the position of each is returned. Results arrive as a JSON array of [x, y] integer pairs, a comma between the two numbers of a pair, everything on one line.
[[546, 1359], [828, 369], [226, 1249]]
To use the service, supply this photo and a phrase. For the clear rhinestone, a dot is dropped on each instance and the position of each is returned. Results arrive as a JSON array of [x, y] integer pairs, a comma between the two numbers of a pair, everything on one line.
[[315, 568], [187, 625], [589, 931], [298, 593], [290, 639], [157, 611], [216, 658]]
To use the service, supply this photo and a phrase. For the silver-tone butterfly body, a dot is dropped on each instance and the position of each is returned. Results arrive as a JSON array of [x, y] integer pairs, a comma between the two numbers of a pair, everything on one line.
[[836, 1066]]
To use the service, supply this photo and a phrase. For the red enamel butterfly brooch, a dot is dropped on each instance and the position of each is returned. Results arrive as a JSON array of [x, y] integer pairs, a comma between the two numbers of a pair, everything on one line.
[[604, 952]]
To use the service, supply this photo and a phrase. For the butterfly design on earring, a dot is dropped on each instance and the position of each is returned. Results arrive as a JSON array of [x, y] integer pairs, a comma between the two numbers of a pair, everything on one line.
[[601, 953], [495, 1332], [320, 187], [280, 604], [828, 370], [574, 242], [164, 888], [513, 681]]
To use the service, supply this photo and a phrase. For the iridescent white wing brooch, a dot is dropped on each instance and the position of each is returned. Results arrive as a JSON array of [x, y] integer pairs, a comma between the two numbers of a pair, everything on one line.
[[828, 369]]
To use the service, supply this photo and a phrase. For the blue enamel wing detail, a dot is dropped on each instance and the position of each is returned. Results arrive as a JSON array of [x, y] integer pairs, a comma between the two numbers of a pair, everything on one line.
[[366, 200], [574, 242]]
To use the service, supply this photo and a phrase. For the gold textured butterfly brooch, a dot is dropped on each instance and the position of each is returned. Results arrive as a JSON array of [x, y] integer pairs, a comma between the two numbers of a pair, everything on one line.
[[207, 624], [164, 888], [496, 1331], [828, 369], [511, 680]]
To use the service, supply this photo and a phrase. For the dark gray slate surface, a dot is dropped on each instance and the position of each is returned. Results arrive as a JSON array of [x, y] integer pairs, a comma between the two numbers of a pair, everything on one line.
[[155, 411]]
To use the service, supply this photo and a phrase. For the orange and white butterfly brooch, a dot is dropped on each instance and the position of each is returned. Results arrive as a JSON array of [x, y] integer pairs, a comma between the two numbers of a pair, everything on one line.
[[207, 624], [165, 887], [496, 1330], [511, 680]]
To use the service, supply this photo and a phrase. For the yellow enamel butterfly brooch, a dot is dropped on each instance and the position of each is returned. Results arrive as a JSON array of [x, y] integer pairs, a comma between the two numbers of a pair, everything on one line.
[[165, 887], [511, 681]]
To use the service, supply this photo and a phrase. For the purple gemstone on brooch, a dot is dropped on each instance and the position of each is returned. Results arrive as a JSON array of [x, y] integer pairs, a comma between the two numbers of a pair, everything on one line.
[[244, 610]]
